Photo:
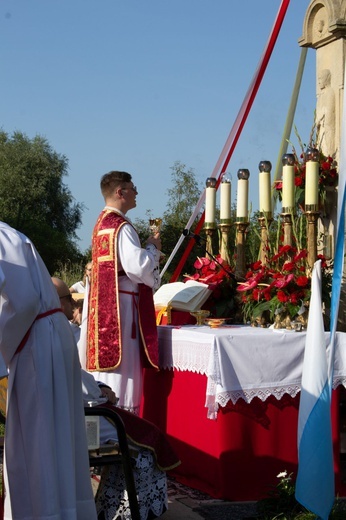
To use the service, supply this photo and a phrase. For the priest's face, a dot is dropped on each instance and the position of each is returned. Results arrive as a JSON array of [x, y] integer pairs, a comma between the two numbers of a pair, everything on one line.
[[129, 193]]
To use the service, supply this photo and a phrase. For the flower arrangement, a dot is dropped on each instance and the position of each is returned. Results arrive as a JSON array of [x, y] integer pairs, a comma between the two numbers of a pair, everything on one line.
[[281, 286], [218, 275]]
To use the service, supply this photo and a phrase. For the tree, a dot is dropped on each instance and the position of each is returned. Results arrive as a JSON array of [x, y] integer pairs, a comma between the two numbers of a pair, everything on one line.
[[34, 199], [182, 200], [183, 195]]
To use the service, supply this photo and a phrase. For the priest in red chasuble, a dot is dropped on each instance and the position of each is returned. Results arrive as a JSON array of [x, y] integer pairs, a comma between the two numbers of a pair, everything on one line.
[[122, 334]]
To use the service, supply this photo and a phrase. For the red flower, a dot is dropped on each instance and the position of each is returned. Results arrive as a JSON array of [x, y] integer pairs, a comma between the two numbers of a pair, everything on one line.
[[192, 277], [325, 165], [207, 279], [201, 262], [285, 249], [302, 281], [256, 294], [282, 297], [252, 282], [299, 256], [294, 298], [267, 295], [288, 266], [282, 282], [323, 261]]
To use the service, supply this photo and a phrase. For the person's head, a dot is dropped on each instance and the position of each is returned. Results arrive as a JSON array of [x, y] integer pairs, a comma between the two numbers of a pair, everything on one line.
[[65, 296], [77, 311], [87, 271], [118, 190]]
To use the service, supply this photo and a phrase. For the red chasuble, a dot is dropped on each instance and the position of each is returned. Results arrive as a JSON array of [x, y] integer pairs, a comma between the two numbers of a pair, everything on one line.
[[104, 346]]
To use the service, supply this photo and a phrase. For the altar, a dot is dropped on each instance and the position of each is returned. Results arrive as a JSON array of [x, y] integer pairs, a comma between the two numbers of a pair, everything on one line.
[[228, 399]]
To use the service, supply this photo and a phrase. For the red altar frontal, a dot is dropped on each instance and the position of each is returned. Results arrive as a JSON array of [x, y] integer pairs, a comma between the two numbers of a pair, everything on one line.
[[251, 433]]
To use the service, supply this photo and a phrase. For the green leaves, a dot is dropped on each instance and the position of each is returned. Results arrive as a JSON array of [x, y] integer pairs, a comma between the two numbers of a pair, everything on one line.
[[34, 198]]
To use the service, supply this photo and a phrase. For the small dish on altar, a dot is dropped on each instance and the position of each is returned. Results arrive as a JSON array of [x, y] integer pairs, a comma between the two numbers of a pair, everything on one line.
[[200, 316], [214, 323]]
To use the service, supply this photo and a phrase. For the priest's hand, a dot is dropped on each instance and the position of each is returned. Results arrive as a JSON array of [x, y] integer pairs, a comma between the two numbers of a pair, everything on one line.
[[109, 394], [155, 240]]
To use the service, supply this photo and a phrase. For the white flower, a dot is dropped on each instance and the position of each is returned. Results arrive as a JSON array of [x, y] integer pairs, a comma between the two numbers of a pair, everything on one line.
[[283, 474]]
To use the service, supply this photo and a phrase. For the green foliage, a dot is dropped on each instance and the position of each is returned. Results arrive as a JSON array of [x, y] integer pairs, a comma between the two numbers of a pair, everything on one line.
[[182, 200], [34, 199], [281, 504], [183, 195], [71, 273]]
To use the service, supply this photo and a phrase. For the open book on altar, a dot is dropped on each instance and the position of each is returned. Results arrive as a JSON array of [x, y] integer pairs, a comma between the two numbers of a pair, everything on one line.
[[182, 296]]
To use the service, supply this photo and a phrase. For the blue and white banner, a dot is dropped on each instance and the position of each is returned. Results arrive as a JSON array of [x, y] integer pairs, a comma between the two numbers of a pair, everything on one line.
[[315, 479]]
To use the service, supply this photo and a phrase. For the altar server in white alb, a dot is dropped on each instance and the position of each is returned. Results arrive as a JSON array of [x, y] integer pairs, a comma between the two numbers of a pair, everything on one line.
[[46, 457]]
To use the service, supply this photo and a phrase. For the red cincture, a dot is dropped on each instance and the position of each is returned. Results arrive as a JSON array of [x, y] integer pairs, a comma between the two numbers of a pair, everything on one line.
[[27, 334]]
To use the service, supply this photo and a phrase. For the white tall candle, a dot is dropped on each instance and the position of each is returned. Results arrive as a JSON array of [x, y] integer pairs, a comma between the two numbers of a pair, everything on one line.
[[225, 200], [288, 187], [312, 173], [242, 198], [265, 200], [210, 203]]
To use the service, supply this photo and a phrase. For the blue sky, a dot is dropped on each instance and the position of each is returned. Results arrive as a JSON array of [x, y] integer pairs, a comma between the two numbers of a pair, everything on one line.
[[138, 85]]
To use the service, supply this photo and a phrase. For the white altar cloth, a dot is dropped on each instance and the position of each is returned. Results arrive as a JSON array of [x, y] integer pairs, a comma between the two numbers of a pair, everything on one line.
[[241, 361]]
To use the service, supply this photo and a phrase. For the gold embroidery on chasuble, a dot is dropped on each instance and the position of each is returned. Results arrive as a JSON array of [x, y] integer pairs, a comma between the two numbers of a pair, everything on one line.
[[104, 331], [104, 347]]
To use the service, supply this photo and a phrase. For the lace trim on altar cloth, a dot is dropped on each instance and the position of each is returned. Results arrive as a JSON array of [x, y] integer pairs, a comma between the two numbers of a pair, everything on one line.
[[262, 393], [188, 356], [213, 400]]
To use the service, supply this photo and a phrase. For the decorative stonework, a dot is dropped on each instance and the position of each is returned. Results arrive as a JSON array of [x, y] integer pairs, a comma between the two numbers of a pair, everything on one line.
[[324, 29], [325, 21]]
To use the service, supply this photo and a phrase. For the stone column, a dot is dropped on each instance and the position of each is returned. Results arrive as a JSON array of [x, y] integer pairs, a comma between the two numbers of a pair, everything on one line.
[[324, 30]]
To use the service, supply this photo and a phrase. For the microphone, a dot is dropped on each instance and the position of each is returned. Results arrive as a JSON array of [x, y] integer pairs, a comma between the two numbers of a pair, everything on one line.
[[198, 238]]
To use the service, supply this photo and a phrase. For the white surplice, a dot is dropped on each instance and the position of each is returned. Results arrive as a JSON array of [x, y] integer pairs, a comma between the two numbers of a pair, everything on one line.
[[141, 266], [47, 468]]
